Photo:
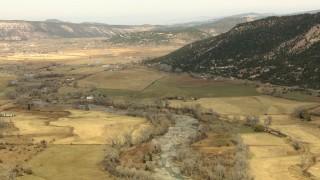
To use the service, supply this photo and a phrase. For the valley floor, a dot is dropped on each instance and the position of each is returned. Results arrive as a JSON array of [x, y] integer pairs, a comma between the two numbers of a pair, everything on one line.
[[75, 139]]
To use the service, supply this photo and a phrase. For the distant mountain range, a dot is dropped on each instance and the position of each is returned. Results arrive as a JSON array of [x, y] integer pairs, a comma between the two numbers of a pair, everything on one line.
[[127, 34], [24, 30], [180, 34], [280, 50]]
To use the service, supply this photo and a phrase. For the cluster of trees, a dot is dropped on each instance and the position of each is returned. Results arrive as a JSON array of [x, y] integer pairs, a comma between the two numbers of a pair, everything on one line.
[[199, 166], [198, 112], [105, 100], [162, 67], [28, 88], [315, 112], [301, 113], [273, 91], [307, 161], [13, 171], [279, 91], [254, 122], [297, 145], [113, 164], [192, 163], [6, 128], [161, 118]]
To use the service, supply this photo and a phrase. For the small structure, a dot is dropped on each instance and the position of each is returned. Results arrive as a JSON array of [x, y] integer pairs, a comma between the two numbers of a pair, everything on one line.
[[89, 97], [7, 115]]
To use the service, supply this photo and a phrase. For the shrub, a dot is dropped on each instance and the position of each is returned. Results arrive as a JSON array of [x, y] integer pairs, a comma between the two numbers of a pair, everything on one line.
[[252, 121], [219, 172], [28, 171], [301, 113], [3, 147], [259, 128], [267, 121], [295, 144], [315, 112]]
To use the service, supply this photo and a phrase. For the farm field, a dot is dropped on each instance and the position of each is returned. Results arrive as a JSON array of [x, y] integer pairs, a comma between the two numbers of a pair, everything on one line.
[[132, 80], [147, 85], [68, 162], [79, 51], [271, 156], [248, 105], [75, 139]]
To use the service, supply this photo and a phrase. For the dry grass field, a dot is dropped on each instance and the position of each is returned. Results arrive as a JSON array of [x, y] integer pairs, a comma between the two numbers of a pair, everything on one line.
[[68, 162], [94, 127], [75, 141], [78, 51], [250, 105], [4, 78], [35, 124], [270, 156]]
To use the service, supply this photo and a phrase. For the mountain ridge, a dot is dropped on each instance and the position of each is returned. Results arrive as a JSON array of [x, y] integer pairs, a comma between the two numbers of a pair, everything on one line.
[[280, 50], [17, 30]]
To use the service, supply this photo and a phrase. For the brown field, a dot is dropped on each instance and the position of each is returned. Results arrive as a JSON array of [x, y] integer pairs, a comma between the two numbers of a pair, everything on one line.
[[75, 139], [79, 51], [68, 162], [251, 105], [94, 127], [270, 156]]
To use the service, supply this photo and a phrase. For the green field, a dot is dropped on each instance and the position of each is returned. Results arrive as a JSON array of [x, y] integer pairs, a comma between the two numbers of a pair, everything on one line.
[[173, 87], [183, 86], [298, 96]]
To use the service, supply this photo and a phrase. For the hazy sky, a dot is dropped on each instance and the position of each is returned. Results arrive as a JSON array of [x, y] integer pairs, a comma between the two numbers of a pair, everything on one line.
[[143, 11]]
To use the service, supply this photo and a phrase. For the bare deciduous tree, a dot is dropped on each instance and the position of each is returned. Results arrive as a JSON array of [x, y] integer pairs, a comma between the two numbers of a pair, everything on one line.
[[267, 122]]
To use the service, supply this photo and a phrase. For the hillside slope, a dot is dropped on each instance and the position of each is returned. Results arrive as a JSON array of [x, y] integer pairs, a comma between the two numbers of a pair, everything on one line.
[[23, 30], [279, 50], [180, 34], [223, 25], [168, 36]]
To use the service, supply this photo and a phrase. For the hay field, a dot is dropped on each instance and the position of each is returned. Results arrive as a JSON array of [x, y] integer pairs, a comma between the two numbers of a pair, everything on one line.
[[270, 156], [69, 162], [251, 105], [75, 141], [185, 86], [310, 135], [34, 125], [94, 127], [74, 126]]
